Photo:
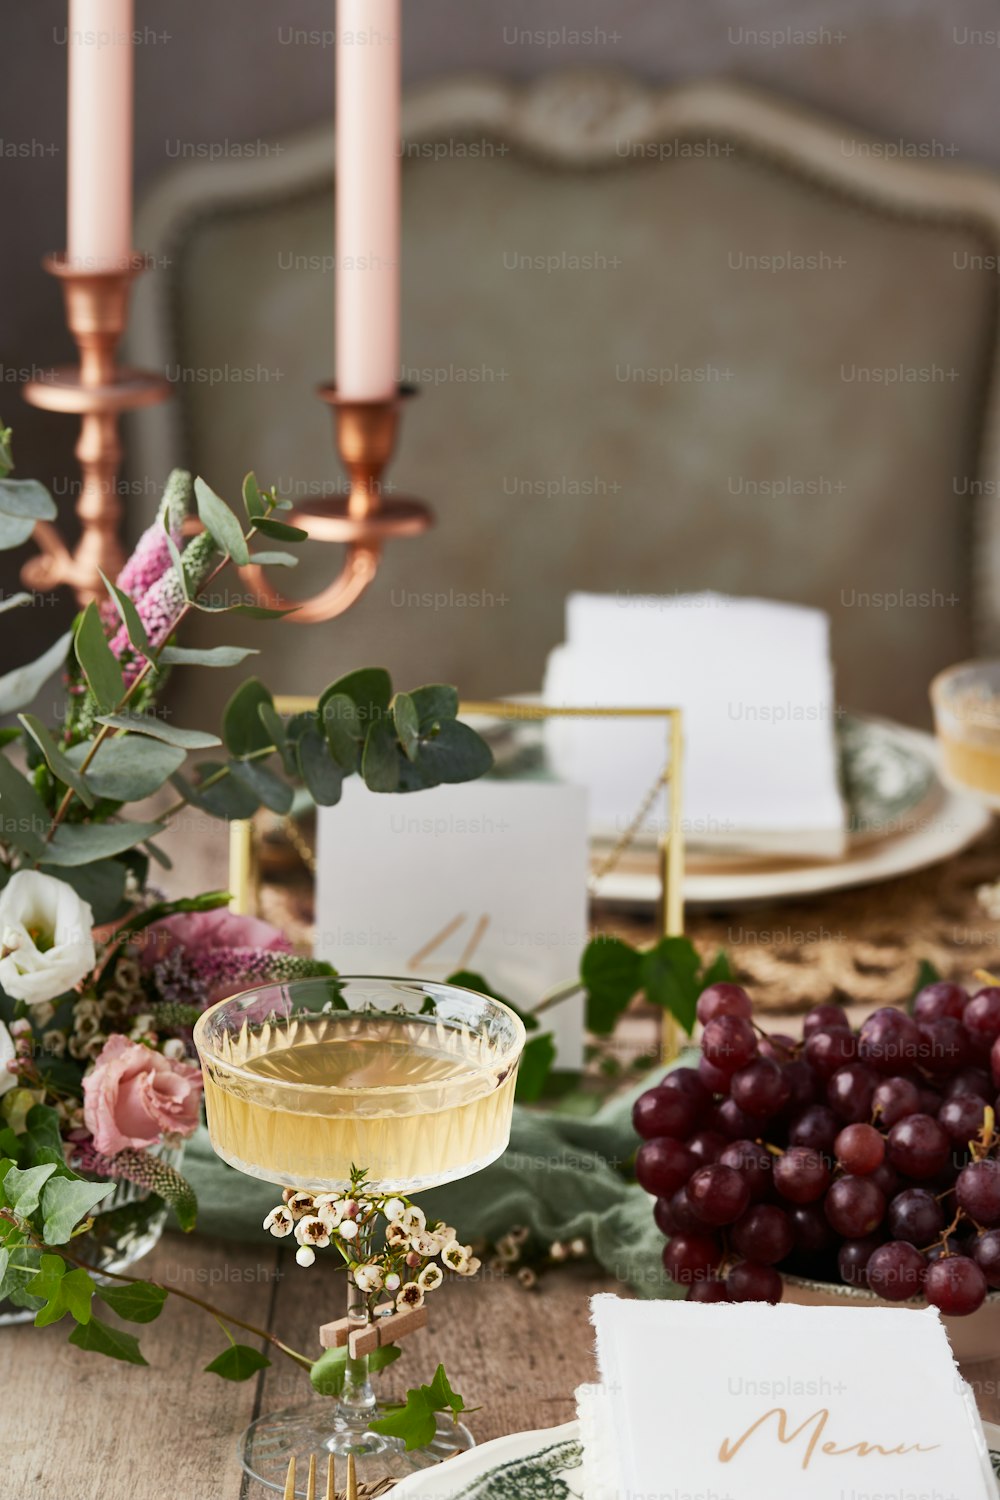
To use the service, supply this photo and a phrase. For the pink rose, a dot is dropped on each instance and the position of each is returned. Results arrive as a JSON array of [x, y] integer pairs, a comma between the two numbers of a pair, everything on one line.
[[204, 931], [132, 1096]]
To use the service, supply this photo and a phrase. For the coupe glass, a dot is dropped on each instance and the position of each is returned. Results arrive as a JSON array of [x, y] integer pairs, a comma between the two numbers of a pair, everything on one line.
[[414, 1082]]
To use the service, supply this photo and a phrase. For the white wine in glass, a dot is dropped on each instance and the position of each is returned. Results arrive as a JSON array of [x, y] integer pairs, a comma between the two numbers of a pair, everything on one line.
[[304, 1083]]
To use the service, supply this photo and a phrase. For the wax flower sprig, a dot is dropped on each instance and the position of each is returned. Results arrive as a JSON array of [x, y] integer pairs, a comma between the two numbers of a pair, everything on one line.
[[393, 1255]]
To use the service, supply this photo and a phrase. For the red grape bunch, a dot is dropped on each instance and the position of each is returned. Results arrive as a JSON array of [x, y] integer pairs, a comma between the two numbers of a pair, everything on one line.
[[864, 1157]]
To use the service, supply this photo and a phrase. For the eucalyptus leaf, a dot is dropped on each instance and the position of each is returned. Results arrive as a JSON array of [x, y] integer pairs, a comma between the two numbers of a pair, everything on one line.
[[209, 656], [320, 772], [128, 768], [434, 703], [221, 524], [19, 687], [14, 531], [380, 760], [407, 721], [268, 787], [369, 689], [100, 666], [159, 729], [274, 559], [280, 531], [28, 498], [227, 798], [24, 818], [344, 729], [57, 762], [251, 497], [134, 628], [101, 885], [242, 727], [81, 843], [455, 753]]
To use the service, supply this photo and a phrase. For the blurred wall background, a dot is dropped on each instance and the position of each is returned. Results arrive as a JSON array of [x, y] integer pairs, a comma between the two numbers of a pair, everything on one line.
[[234, 71]]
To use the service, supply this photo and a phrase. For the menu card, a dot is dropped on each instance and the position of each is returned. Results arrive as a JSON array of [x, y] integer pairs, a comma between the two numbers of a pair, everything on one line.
[[752, 1402]]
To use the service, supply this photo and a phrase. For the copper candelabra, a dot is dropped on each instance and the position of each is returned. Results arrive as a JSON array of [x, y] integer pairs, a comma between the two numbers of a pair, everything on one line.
[[99, 390], [364, 520]]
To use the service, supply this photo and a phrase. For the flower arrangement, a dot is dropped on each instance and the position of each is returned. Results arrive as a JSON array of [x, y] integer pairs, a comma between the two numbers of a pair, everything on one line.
[[101, 976]]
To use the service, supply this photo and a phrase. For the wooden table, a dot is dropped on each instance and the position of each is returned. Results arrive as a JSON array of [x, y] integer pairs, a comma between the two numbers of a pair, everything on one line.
[[78, 1426]]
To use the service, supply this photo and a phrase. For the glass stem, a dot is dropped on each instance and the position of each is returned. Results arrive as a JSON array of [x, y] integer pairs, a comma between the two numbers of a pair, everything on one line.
[[358, 1398]]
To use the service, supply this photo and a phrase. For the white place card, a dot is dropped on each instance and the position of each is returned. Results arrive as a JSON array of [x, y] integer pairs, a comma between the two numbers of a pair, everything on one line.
[[752, 1402], [489, 876]]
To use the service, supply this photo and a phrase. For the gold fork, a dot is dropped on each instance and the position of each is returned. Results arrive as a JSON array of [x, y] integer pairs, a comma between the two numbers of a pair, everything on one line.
[[352, 1482]]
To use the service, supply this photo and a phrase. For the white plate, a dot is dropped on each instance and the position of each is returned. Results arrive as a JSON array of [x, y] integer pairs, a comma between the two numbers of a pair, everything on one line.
[[949, 825], [544, 1465]]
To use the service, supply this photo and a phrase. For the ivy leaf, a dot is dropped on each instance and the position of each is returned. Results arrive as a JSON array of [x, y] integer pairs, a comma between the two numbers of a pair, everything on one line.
[[136, 1301], [669, 976], [221, 524], [64, 1291], [242, 728], [238, 1362], [470, 980], [101, 1338], [65, 1202], [208, 656], [534, 1068], [416, 1422], [100, 666], [610, 971], [19, 687], [159, 729], [134, 628], [327, 1372], [719, 971], [382, 1357], [42, 1131], [56, 761], [23, 1189]]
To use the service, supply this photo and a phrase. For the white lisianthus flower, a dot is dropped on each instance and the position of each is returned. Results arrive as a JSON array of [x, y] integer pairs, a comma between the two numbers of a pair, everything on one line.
[[46, 942], [368, 1278], [7, 1054]]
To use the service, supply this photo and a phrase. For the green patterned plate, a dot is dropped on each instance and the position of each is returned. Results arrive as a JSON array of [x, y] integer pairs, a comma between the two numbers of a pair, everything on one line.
[[543, 1465]]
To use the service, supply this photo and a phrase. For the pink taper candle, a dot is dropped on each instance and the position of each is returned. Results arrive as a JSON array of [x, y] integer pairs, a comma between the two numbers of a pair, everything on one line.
[[99, 193], [368, 97]]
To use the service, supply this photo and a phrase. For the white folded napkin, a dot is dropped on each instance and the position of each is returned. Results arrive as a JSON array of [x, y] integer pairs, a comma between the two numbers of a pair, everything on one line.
[[755, 682], [754, 1402]]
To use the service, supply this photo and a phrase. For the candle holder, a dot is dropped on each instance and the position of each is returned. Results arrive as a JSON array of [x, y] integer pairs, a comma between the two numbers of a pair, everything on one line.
[[97, 390], [363, 520]]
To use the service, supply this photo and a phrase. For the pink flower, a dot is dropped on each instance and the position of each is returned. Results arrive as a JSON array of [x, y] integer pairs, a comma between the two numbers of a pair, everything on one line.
[[200, 933], [133, 1096]]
